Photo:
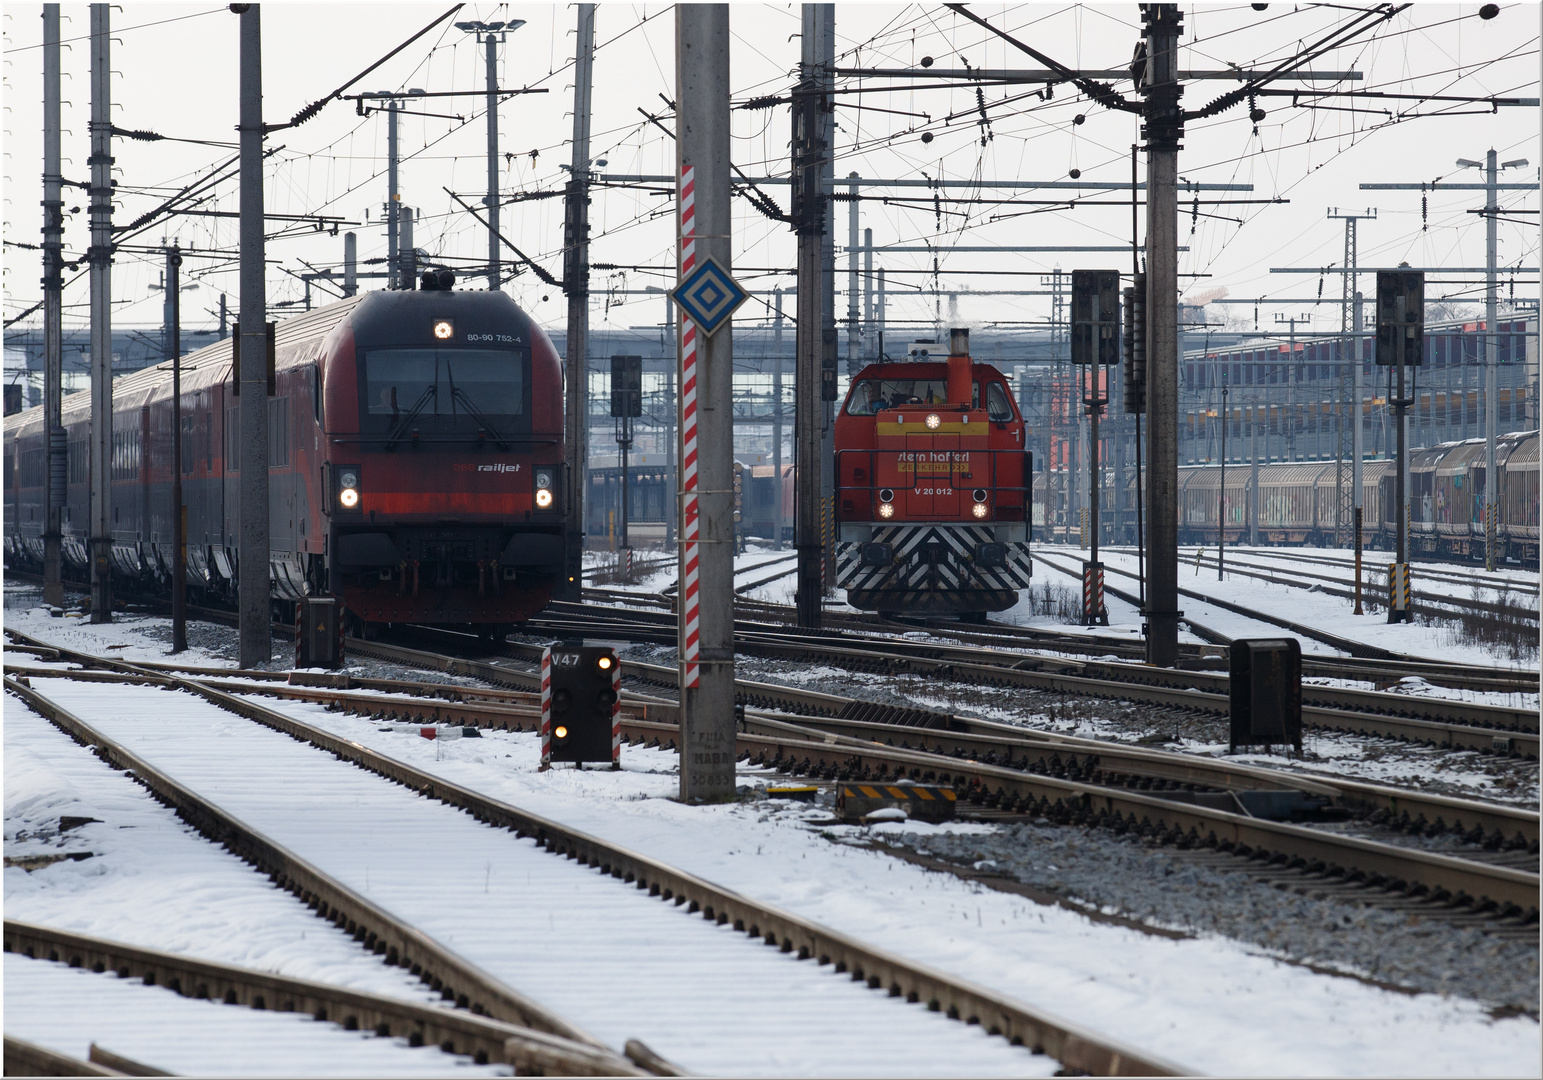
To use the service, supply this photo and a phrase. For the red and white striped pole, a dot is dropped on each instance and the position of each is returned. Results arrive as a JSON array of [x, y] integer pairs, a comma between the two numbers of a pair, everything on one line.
[[691, 597], [706, 626], [546, 708]]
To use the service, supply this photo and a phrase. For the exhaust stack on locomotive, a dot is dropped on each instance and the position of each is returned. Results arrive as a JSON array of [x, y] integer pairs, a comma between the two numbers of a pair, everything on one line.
[[932, 499]]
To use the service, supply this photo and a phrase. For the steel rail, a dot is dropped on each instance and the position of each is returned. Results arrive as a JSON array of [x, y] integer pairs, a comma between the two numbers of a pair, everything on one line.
[[1362, 669], [1019, 669], [380, 932], [23, 1058], [1487, 886], [1452, 576], [1075, 1047], [431, 703], [962, 737], [454, 1030], [893, 655], [1345, 589], [815, 708]]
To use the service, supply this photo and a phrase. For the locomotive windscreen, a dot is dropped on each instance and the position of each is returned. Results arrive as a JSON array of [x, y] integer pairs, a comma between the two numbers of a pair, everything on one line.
[[871, 395], [441, 385]]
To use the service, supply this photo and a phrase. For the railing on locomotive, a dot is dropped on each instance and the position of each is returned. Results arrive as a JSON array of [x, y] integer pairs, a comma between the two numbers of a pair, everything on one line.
[[1024, 489]]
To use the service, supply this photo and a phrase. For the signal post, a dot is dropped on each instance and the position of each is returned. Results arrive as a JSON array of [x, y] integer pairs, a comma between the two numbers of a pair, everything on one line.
[[1400, 342], [1095, 346]]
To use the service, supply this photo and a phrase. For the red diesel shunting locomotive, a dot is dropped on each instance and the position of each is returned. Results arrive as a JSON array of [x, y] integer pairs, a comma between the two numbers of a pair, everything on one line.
[[932, 488], [415, 458]]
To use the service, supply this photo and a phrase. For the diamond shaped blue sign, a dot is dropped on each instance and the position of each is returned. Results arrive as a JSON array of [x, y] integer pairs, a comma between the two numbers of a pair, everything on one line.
[[709, 296]]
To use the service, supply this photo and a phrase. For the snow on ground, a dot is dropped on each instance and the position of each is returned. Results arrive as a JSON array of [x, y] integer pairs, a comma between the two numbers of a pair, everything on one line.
[[151, 880], [1414, 686], [605, 956], [1318, 610], [128, 637], [1142, 989], [67, 1009], [1339, 563]]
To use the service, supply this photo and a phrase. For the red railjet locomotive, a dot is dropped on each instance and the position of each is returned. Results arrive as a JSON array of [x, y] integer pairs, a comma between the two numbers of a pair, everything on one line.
[[932, 488], [415, 449]]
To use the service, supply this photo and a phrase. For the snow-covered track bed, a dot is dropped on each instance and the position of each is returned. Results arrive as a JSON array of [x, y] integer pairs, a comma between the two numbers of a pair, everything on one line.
[[1353, 648], [1066, 779], [1438, 721], [377, 930], [1524, 582], [1344, 587], [452, 1030], [1112, 764], [694, 987], [1442, 721]]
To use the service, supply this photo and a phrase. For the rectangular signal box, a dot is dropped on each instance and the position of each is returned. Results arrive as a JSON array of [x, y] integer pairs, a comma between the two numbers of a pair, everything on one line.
[[580, 705], [1266, 692], [1400, 317]]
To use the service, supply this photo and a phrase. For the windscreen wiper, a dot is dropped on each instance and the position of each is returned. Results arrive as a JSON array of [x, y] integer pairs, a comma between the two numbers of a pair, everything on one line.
[[430, 391], [456, 393]]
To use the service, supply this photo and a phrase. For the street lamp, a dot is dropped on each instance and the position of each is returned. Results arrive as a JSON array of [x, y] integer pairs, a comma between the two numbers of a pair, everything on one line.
[[490, 34]]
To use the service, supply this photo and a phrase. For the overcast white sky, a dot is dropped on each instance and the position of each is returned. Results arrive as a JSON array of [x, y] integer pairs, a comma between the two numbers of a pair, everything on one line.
[[176, 74]]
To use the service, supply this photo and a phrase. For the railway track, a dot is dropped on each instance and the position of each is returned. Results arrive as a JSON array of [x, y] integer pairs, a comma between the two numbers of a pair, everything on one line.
[[1441, 721], [1345, 590], [473, 991], [1159, 795], [1076, 1048], [1475, 576], [453, 1030], [1364, 669], [1356, 649]]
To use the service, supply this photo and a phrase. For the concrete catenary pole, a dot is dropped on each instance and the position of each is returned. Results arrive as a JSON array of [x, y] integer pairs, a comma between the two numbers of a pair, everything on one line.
[[777, 418], [1164, 129], [824, 66], [350, 264], [393, 199], [1491, 341], [179, 540], [706, 413], [254, 621], [100, 258], [576, 285], [55, 476], [810, 212], [867, 294], [495, 272], [854, 255]]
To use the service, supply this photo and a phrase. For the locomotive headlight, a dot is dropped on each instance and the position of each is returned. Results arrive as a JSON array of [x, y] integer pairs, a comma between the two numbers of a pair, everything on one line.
[[933, 421], [887, 495], [560, 732], [604, 663], [980, 510], [544, 478], [886, 510], [444, 329], [346, 477], [543, 498], [980, 495]]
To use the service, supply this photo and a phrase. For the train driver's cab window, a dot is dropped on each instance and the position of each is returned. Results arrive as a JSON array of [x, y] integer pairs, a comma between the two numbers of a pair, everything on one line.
[[871, 395], [998, 405], [444, 382]]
